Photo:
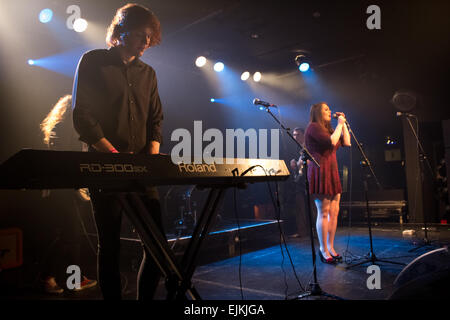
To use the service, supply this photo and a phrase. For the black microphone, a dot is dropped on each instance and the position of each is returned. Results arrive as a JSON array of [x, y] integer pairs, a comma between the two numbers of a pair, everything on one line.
[[256, 101], [336, 115], [399, 114]]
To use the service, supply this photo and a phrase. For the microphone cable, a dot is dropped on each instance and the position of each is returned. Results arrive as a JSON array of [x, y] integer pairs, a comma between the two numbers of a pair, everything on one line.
[[239, 241], [277, 208]]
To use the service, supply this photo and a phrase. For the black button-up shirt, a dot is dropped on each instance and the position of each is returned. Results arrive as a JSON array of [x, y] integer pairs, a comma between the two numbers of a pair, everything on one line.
[[116, 101]]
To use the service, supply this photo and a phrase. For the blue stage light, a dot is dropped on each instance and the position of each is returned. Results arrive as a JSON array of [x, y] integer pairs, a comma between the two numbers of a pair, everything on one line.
[[45, 15], [303, 67], [219, 66], [302, 62], [63, 63], [213, 100]]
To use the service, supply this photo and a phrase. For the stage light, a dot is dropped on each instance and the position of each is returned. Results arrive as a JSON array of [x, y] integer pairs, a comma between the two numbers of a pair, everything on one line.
[[302, 63], [64, 63], [257, 76], [390, 141], [245, 75], [219, 66], [200, 62], [45, 15], [303, 67], [212, 100], [80, 25]]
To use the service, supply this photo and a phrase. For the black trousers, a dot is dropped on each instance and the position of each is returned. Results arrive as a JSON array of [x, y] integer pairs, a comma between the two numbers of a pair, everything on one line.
[[108, 219], [64, 229]]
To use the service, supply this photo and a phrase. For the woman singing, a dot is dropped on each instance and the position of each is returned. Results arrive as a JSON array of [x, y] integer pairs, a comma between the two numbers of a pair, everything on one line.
[[324, 182]]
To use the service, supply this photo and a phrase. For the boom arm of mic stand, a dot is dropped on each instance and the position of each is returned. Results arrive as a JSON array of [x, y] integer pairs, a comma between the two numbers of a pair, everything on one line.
[[304, 149], [363, 154]]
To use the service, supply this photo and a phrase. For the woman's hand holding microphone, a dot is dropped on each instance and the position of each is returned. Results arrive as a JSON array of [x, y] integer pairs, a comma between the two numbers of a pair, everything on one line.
[[341, 117]]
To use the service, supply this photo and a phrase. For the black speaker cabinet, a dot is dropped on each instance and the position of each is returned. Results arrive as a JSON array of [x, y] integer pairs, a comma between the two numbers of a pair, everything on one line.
[[426, 277], [446, 136]]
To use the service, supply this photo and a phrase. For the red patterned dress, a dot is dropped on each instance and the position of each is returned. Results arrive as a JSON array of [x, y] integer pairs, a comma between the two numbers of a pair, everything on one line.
[[324, 180]]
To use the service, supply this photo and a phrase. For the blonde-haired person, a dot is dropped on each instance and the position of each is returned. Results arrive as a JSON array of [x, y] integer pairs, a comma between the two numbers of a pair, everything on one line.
[[66, 206], [325, 187]]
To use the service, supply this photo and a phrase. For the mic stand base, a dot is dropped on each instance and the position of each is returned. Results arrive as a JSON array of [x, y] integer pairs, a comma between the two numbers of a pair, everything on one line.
[[373, 259], [371, 255], [422, 157], [316, 291], [366, 163]]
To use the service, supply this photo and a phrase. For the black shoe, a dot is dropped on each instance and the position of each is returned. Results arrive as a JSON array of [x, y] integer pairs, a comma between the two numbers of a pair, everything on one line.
[[330, 260], [338, 258]]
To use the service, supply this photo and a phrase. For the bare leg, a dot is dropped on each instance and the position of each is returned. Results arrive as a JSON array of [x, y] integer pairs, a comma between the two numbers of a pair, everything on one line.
[[322, 224], [332, 222]]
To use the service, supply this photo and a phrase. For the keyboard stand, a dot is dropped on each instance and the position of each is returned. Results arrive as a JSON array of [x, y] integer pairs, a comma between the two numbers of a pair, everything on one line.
[[178, 276]]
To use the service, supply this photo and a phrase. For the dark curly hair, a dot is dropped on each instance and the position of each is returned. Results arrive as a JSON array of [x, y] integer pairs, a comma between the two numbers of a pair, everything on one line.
[[130, 17], [315, 115]]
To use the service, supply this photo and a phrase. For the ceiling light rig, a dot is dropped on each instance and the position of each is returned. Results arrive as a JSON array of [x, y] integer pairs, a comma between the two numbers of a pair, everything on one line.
[[219, 66], [257, 76], [200, 61], [46, 15], [303, 63], [80, 25], [245, 75]]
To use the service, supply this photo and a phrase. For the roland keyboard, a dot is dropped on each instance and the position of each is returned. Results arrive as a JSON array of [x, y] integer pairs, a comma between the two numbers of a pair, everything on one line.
[[44, 169]]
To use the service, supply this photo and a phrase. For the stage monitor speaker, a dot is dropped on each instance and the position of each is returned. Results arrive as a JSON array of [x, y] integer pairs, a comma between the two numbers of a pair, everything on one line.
[[426, 277]]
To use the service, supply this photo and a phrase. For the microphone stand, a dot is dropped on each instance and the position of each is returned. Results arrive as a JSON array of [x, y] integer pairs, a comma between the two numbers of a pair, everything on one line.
[[315, 289], [366, 163], [425, 242]]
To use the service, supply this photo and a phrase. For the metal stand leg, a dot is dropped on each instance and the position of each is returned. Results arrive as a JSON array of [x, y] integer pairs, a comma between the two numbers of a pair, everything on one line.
[[201, 230], [372, 258], [178, 277], [366, 163], [155, 242]]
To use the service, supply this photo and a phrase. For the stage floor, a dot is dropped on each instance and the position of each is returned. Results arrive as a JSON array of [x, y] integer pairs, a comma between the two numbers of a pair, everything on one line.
[[267, 274]]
